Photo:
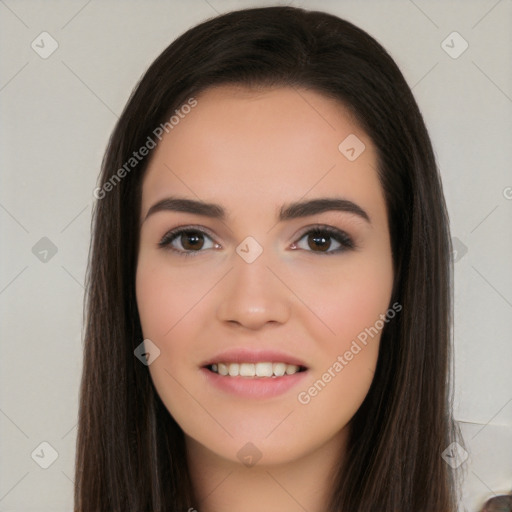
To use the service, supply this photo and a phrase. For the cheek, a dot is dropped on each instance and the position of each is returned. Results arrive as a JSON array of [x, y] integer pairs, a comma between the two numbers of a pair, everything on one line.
[[349, 299], [174, 310], [165, 300], [164, 295], [362, 299], [351, 305]]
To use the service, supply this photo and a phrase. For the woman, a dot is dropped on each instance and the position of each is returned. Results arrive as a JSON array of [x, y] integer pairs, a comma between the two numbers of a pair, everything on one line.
[[230, 362]]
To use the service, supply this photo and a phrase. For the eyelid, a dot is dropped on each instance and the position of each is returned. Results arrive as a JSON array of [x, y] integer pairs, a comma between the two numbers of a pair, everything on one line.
[[345, 240], [173, 233]]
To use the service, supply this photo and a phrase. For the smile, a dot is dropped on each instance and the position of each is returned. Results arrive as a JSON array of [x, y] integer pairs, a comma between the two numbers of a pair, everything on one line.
[[254, 370]]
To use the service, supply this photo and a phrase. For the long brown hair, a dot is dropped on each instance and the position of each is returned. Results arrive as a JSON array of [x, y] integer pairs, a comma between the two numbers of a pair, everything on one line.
[[130, 451]]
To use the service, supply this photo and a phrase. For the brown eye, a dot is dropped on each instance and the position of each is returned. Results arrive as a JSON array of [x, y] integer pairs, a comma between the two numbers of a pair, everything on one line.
[[185, 241], [319, 240], [191, 240]]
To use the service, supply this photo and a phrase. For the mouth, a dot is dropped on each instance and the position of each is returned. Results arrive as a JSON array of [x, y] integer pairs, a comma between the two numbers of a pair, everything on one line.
[[259, 370], [254, 373]]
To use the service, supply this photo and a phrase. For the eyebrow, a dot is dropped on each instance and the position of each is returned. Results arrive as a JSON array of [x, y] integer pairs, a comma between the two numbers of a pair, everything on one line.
[[287, 212]]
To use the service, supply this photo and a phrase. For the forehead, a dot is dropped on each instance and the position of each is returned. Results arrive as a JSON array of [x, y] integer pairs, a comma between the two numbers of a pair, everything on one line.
[[246, 146]]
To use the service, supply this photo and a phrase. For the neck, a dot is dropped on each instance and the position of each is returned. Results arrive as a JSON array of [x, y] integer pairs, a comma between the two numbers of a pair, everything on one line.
[[223, 485]]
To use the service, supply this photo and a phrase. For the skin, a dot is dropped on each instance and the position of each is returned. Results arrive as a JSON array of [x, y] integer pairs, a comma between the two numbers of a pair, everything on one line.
[[251, 152]]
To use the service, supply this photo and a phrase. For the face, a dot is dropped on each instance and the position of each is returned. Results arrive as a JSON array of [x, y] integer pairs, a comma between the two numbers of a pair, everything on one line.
[[266, 282]]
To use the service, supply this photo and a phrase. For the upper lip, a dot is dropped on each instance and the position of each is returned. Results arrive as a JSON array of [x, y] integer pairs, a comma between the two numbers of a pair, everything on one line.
[[245, 355]]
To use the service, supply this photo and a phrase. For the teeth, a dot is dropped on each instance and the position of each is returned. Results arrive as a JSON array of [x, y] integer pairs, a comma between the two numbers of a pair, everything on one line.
[[233, 369], [279, 369], [255, 370], [291, 369], [263, 369], [247, 370]]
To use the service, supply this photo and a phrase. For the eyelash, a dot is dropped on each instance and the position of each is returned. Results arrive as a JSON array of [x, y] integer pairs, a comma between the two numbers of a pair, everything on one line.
[[341, 237]]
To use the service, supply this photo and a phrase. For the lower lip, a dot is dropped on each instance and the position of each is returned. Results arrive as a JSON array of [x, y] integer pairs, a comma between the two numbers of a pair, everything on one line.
[[254, 387]]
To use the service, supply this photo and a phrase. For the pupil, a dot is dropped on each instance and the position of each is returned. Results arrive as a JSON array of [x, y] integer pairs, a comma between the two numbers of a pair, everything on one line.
[[319, 244], [191, 235]]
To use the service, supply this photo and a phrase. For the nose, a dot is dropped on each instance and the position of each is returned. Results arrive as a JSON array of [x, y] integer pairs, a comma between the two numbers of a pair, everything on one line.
[[252, 295]]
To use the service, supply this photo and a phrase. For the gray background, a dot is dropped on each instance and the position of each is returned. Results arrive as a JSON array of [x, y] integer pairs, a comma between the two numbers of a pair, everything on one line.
[[57, 115]]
